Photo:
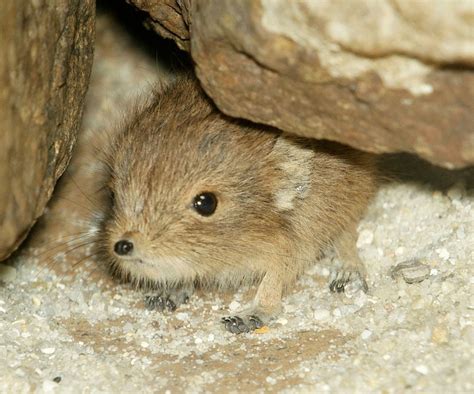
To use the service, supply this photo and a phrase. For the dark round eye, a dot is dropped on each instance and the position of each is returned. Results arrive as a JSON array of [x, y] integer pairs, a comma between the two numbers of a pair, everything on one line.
[[205, 203]]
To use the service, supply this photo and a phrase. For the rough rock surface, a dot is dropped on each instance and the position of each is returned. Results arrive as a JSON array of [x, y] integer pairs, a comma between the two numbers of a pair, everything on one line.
[[168, 18], [383, 76], [46, 56], [65, 326]]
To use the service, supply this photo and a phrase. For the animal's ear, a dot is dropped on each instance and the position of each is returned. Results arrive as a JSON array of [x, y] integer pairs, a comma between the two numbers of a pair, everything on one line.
[[294, 161]]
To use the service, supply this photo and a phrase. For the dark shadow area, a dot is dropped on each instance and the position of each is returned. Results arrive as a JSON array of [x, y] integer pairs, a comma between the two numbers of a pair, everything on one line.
[[405, 167], [159, 49]]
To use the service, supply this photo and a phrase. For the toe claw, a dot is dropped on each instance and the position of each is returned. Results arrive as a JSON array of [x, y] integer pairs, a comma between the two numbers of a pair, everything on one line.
[[154, 303], [255, 322], [235, 324], [170, 305]]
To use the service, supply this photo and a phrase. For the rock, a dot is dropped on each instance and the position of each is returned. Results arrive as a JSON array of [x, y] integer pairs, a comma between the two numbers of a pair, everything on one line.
[[7, 273], [46, 57], [366, 237], [373, 76], [412, 271]]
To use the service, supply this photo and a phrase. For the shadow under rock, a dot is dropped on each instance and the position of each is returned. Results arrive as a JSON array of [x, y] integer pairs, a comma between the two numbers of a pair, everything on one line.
[[405, 167], [162, 50]]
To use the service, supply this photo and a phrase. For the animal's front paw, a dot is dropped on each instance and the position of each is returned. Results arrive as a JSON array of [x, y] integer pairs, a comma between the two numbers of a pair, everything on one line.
[[168, 300], [239, 325], [345, 278]]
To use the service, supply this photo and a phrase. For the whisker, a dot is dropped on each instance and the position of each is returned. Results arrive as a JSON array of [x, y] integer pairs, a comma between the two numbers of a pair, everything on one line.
[[67, 240], [52, 259], [94, 204], [88, 209]]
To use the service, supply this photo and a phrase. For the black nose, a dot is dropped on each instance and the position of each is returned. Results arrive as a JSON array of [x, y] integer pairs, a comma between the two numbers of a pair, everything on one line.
[[123, 247]]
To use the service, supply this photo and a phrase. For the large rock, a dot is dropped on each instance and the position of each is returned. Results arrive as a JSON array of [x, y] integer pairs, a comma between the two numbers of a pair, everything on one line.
[[46, 52], [380, 75]]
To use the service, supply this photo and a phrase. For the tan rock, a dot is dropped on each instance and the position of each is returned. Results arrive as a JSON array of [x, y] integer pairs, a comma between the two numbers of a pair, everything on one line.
[[381, 75], [46, 55]]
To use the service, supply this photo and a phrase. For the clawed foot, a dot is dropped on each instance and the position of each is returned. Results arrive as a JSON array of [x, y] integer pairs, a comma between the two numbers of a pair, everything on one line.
[[239, 325], [347, 277], [169, 300]]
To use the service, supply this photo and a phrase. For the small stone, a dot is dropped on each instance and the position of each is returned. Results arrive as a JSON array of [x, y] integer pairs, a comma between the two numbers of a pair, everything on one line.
[[282, 321], [234, 305], [270, 380], [366, 334], [183, 316], [423, 369], [400, 251], [49, 386], [365, 238], [467, 334], [48, 350], [144, 345], [197, 341], [413, 271], [7, 273], [456, 192], [460, 233], [442, 253], [439, 334]]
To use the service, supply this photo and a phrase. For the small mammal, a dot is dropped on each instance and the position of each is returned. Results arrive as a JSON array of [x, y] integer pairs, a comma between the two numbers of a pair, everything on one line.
[[198, 197]]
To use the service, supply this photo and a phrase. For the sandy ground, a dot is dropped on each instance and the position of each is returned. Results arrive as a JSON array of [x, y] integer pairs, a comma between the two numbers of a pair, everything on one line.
[[66, 326]]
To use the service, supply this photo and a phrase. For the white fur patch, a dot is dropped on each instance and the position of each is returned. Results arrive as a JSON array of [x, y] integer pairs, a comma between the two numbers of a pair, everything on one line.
[[295, 161]]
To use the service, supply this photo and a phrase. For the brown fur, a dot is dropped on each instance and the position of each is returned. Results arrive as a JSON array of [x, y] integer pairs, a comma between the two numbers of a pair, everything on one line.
[[282, 200]]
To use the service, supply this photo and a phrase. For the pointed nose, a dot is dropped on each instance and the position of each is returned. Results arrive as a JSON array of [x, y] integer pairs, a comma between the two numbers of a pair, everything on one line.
[[123, 247]]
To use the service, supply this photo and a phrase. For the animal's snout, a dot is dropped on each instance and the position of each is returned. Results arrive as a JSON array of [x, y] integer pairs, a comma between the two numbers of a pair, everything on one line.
[[123, 247]]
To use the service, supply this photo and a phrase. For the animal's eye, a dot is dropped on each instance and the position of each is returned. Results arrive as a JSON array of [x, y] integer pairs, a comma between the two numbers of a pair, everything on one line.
[[205, 203]]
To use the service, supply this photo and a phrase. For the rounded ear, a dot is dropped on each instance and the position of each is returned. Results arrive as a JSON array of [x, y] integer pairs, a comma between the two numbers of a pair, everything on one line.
[[294, 158]]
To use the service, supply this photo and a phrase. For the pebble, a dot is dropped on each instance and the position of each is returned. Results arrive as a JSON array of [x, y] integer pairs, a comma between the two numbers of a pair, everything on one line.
[[7, 273], [412, 271], [456, 192], [467, 334], [49, 386], [183, 316], [48, 350], [271, 380], [366, 334], [400, 251], [423, 369], [234, 305], [442, 253], [366, 237], [439, 334], [322, 314]]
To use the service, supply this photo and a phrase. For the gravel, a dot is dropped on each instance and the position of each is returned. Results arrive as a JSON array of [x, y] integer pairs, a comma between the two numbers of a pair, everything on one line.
[[66, 326]]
